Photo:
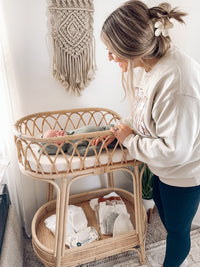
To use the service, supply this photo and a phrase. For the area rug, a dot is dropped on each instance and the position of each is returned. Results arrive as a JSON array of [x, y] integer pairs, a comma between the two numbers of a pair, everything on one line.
[[155, 248], [154, 255]]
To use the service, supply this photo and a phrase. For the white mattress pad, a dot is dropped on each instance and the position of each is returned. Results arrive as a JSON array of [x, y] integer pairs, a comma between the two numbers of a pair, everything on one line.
[[65, 163]]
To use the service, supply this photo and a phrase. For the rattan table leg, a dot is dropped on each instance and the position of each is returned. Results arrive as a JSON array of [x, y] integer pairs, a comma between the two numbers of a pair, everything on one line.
[[61, 234], [110, 179], [50, 192], [138, 212]]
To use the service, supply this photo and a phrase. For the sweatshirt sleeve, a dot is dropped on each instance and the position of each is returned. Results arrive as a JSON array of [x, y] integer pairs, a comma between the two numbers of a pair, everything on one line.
[[127, 121], [177, 126]]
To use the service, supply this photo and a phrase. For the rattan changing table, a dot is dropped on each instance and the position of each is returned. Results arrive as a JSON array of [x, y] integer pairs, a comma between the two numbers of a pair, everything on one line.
[[36, 163]]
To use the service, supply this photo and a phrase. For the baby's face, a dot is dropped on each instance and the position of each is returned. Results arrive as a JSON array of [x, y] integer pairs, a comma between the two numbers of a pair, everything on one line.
[[54, 133]]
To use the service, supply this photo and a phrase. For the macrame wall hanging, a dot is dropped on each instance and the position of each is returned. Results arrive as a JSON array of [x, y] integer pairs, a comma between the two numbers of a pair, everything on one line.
[[73, 43]]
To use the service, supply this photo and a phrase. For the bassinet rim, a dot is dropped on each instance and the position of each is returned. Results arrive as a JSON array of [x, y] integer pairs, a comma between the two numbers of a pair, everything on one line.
[[18, 134]]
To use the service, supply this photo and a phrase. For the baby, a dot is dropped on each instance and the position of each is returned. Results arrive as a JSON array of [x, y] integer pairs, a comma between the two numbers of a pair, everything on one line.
[[81, 146], [54, 133]]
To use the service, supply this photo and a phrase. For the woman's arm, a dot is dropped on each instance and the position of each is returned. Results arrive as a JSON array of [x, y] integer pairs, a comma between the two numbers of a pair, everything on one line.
[[177, 127]]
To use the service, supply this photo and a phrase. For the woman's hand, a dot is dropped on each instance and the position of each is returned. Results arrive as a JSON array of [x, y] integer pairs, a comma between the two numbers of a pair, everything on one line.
[[121, 131], [109, 140]]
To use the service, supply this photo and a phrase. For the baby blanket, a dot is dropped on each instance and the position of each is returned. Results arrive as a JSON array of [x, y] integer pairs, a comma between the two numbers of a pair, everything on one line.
[[82, 146]]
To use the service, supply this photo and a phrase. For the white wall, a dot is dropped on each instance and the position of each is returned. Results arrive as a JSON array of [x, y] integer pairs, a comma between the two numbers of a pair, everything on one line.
[[30, 43], [29, 38]]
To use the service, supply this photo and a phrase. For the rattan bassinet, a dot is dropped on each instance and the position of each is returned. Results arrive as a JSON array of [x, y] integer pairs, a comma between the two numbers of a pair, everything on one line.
[[36, 163]]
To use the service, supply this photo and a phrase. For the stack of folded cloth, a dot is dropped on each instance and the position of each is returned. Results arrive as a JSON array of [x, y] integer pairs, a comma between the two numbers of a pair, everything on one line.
[[77, 231], [112, 215]]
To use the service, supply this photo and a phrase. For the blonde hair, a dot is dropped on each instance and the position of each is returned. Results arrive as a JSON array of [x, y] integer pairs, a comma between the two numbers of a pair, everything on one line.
[[129, 33]]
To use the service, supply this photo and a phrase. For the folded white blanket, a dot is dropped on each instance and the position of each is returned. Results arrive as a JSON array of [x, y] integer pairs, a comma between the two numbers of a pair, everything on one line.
[[77, 231], [112, 215]]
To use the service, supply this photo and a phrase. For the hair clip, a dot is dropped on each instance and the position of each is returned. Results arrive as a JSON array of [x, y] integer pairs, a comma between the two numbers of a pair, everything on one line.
[[163, 28]]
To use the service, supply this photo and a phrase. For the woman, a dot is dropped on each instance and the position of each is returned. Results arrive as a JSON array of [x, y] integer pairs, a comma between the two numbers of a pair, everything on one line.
[[163, 129]]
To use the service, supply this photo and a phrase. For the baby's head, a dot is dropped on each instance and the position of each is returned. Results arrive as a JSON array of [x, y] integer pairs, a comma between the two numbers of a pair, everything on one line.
[[55, 133]]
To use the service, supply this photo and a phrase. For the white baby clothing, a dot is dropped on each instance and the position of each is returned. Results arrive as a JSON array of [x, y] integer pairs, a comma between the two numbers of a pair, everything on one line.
[[88, 235], [76, 217], [77, 230], [107, 210], [50, 223], [122, 225]]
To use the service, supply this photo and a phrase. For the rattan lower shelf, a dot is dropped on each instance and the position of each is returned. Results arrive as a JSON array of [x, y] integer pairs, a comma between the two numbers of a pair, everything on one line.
[[44, 241]]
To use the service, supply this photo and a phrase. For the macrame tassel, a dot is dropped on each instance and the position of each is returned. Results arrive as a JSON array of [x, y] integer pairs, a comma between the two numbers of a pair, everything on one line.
[[73, 43]]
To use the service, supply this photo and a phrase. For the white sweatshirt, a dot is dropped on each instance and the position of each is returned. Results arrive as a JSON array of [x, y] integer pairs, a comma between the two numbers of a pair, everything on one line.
[[165, 117]]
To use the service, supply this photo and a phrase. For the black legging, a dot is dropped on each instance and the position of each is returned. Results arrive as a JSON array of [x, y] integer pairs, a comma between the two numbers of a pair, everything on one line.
[[177, 207]]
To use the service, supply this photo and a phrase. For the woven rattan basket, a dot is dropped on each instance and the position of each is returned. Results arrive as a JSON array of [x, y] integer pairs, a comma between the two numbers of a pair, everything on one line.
[[28, 138], [36, 163]]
